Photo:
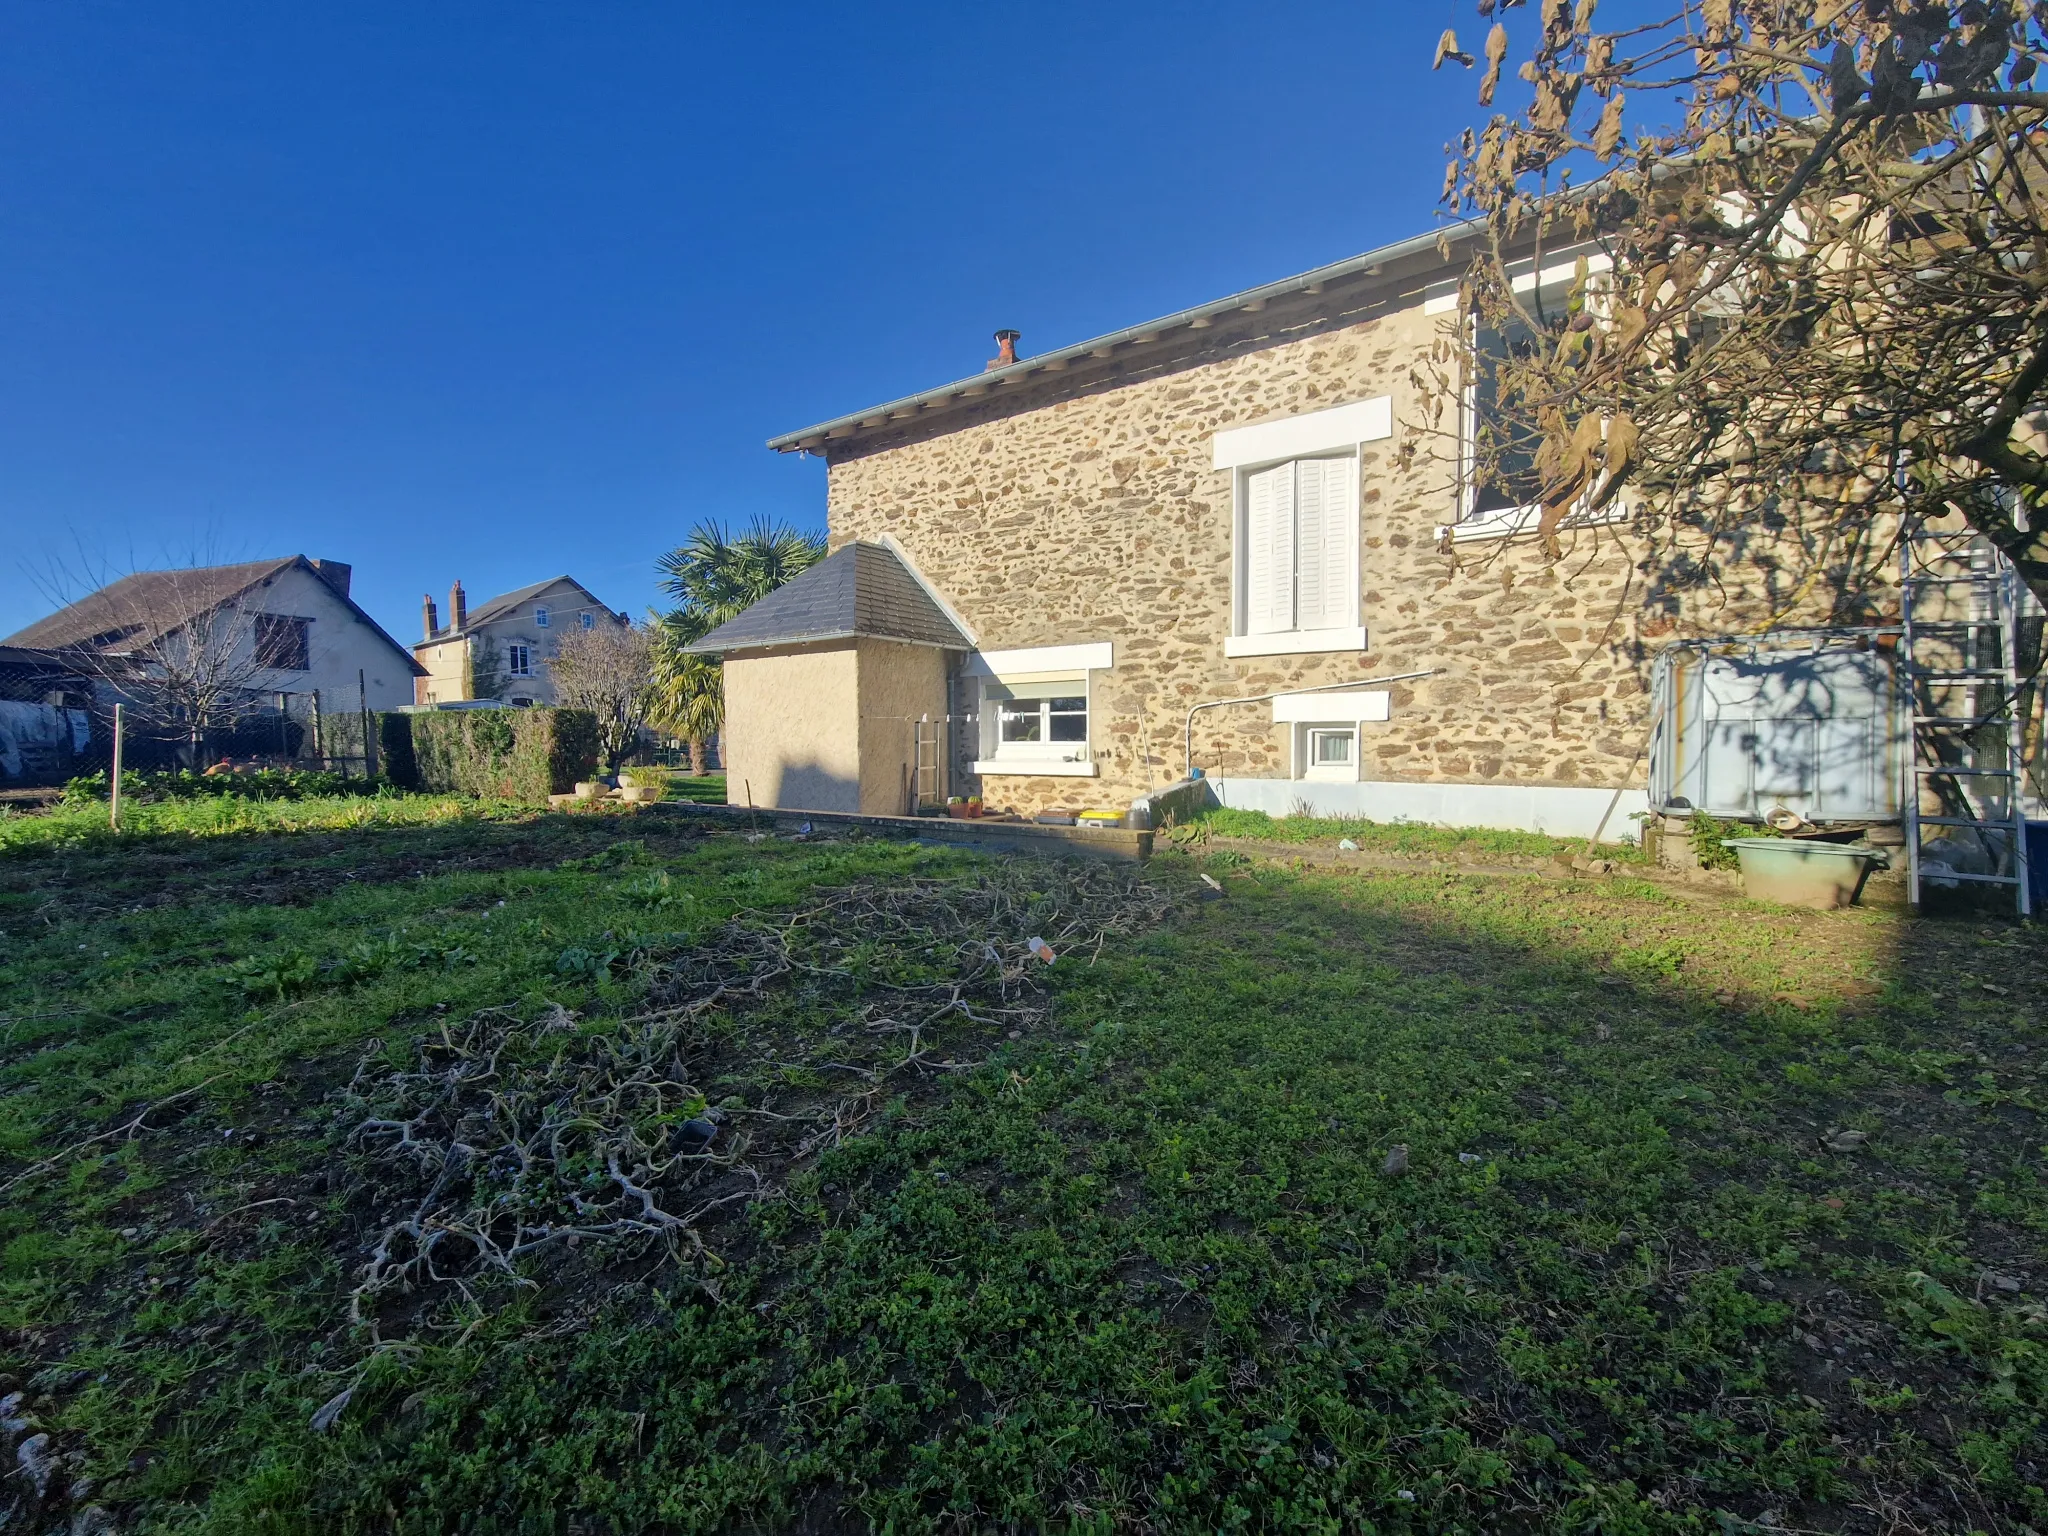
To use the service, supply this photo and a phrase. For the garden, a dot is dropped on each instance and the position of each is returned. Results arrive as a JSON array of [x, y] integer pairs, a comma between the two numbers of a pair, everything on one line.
[[416, 1162]]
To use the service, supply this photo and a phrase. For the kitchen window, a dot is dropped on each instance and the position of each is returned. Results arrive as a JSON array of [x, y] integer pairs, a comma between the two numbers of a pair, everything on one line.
[[1036, 721]]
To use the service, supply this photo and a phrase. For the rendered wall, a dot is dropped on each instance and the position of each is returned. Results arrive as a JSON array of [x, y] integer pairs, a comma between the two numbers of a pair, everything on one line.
[[339, 647], [1558, 810], [899, 685], [792, 729]]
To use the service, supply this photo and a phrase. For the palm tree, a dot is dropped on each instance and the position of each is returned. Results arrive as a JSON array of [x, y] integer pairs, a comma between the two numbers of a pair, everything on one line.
[[687, 695], [713, 575]]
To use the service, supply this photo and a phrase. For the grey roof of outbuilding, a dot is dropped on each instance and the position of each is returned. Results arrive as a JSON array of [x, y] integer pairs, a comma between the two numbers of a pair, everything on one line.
[[862, 591]]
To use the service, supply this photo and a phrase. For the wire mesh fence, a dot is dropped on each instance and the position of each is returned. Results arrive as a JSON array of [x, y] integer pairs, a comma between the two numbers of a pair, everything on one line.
[[56, 723]]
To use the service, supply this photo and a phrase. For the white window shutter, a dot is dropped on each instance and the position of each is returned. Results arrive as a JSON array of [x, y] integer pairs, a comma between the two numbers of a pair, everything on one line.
[[1327, 543], [1269, 551]]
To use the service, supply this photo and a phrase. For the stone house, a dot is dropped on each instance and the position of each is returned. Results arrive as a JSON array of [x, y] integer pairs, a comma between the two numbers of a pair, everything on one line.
[[1259, 500], [499, 650]]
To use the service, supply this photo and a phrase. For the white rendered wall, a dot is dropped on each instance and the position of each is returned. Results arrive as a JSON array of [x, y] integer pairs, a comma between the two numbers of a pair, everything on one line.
[[1560, 811]]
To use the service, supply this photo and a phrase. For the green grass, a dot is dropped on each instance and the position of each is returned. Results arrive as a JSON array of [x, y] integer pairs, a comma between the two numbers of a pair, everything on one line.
[[1398, 839], [709, 790], [1146, 1270], [86, 823]]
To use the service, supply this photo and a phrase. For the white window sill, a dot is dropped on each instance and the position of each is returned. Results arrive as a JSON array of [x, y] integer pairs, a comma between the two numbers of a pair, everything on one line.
[[1506, 522], [1295, 642], [1026, 768]]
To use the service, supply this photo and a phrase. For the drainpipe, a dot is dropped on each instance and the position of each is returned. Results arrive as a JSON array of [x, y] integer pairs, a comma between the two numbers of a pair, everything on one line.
[[1260, 698]]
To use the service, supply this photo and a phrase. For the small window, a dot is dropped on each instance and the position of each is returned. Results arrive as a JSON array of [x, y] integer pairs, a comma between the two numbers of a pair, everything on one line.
[[540, 618], [522, 703], [589, 620], [1329, 752], [281, 642], [1042, 720], [1330, 749], [518, 661]]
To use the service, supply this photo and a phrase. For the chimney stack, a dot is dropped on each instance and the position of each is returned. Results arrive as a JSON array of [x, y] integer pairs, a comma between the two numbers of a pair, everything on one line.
[[1006, 351], [430, 616], [458, 608], [334, 572]]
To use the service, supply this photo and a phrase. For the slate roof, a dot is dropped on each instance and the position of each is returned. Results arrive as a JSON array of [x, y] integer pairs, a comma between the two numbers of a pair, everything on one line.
[[862, 591], [143, 607], [503, 604], [132, 613]]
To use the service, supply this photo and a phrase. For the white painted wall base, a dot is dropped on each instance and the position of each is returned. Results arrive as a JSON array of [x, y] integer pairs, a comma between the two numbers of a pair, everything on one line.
[[1557, 810]]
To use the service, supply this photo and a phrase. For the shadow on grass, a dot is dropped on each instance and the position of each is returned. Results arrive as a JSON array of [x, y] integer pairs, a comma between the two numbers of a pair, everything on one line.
[[1708, 1217]]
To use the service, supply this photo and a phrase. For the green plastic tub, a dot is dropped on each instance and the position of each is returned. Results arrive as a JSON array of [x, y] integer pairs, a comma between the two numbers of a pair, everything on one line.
[[1799, 872]]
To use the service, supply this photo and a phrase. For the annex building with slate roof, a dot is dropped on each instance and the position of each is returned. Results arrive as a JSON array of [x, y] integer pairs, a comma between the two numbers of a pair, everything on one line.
[[836, 685]]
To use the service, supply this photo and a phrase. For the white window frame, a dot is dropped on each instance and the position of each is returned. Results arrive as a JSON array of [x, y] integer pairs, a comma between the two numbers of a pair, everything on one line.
[[1349, 636], [1554, 281], [541, 619], [1069, 759], [518, 660], [1339, 432], [1038, 665], [1309, 768], [588, 618]]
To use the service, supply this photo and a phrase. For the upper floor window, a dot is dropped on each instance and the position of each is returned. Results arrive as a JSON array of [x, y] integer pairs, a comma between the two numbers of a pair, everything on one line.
[[1295, 498], [281, 642], [1298, 546], [1500, 443], [540, 618], [518, 661], [589, 620]]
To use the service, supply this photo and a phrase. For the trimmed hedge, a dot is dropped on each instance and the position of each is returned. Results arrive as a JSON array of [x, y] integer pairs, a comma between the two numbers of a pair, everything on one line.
[[505, 754]]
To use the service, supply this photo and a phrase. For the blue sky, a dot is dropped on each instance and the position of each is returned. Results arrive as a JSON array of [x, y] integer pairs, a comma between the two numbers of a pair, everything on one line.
[[495, 291]]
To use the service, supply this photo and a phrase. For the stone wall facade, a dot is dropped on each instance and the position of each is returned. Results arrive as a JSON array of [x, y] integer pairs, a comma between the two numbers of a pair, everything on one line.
[[1094, 514]]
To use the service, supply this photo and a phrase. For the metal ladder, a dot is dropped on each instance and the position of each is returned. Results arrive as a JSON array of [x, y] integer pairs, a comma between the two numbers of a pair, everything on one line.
[[928, 762], [1959, 607]]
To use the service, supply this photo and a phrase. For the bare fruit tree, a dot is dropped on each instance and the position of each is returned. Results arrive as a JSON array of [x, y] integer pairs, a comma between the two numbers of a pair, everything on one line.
[[1808, 253], [185, 649], [607, 670]]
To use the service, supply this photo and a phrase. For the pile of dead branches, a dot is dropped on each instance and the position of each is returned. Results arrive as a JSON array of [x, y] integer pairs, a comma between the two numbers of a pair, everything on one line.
[[507, 1145]]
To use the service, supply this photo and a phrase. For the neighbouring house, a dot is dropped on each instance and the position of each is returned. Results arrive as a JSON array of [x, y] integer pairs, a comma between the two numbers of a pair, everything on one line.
[[499, 650], [1257, 500], [281, 638]]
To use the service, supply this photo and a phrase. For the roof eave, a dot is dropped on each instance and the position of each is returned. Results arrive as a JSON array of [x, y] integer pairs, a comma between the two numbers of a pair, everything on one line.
[[815, 438], [704, 647]]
